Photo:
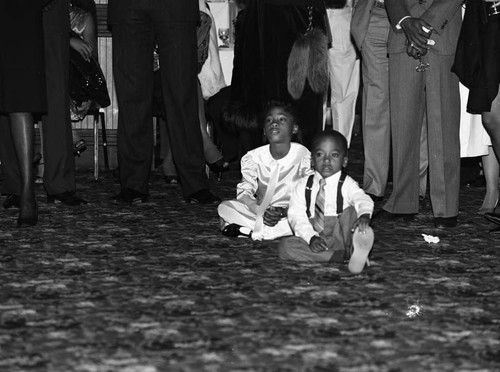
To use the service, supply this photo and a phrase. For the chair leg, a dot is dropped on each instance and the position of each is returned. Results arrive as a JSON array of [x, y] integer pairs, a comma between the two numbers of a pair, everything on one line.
[[96, 147], [104, 140]]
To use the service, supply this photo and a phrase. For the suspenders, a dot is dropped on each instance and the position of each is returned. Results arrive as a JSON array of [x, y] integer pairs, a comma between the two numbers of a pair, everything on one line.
[[340, 198]]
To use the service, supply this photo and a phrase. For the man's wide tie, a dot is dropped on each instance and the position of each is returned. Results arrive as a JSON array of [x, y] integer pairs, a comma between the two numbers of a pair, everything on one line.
[[319, 214]]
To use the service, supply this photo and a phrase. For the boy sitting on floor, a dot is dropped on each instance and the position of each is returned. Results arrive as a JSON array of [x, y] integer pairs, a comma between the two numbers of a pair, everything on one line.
[[328, 212]]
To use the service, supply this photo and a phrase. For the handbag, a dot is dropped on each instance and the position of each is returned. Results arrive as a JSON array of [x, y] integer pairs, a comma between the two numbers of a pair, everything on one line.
[[86, 81]]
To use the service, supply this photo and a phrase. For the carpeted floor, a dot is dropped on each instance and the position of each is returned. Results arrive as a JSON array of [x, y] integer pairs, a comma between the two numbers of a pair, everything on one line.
[[155, 287]]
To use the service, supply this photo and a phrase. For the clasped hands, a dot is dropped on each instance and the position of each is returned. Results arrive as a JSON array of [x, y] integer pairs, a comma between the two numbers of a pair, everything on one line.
[[318, 244], [418, 36], [273, 215]]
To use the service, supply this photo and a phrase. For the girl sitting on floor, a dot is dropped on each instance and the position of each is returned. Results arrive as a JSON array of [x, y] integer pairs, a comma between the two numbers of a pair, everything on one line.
[[262, 196]]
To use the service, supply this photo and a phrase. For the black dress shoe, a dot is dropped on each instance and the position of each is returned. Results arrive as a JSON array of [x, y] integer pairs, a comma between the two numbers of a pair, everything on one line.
[[67, 198], [129, 196], [236, 231], [493, 217], [383, 215], [445, 221], [12, 200], [203, 196], [27, 221], [375, 198]]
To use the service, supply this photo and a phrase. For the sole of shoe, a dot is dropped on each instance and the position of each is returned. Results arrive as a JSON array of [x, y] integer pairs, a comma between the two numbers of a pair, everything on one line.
[[495, 218], [362, 244]]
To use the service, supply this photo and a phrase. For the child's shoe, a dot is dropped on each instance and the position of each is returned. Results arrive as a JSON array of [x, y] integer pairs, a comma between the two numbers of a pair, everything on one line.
[[361, 246], [236, 231]]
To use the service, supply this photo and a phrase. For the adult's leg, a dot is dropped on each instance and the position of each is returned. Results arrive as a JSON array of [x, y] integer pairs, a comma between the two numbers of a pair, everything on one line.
[[22, 133], [424, 159], [344, 72], [178, 56], [210, 151], [443, 117], [229, 142], [133, 74], [59, 172], [376, 121], [11, 183], [168, 164], [491, 173], [491, 122], [407, 110]]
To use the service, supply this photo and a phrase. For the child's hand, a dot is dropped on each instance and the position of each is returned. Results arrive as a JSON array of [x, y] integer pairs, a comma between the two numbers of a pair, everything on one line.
[[363, 222], [317, 245], [273, 215]]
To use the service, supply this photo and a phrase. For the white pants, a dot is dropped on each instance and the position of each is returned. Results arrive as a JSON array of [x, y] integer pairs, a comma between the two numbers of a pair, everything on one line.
[[234, 211], [344, 71]]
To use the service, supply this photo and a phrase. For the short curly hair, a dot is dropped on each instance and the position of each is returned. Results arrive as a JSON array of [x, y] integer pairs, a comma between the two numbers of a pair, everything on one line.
[[330, 134]]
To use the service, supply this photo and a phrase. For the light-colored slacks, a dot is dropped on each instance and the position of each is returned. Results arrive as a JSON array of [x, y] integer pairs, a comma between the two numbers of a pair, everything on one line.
[[436, 93], [344, 72]]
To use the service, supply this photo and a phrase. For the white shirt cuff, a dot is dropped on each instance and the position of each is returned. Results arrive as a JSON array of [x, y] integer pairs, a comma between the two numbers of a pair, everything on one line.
[[398, 26]]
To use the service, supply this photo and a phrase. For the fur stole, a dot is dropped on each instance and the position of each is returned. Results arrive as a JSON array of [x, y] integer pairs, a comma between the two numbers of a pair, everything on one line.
[[308, 60]]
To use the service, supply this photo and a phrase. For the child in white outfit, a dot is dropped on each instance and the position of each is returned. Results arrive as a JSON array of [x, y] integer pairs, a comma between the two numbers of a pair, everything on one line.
[[328, 212], [262, 196]]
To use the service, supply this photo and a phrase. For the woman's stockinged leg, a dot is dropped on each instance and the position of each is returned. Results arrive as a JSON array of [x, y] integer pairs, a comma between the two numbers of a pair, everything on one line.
[[22, 131], [491, 122], [491, 174]]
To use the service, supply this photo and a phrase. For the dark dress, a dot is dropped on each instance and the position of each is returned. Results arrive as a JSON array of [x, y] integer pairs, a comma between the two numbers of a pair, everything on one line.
[[477, 60], [265, 33], [22, 71]]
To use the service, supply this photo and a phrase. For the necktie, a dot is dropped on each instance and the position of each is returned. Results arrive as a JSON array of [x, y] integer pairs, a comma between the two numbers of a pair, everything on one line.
[[319, 208], [258, 230]]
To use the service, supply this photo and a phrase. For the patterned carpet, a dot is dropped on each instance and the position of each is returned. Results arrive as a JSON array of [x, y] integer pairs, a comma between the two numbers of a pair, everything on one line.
[[155, 287]]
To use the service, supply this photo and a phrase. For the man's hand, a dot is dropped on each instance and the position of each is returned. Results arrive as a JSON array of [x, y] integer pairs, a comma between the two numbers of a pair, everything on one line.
[[273, 215], [363, 222], [418, 33], [317, 245]]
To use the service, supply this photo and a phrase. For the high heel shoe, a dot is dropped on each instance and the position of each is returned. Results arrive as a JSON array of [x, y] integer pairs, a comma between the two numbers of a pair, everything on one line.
[[30, 220], [218, 167], [79, 147]]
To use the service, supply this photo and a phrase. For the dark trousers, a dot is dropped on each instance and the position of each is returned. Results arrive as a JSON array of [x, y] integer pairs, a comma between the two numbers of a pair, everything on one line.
[[59, 163], [133, 73]]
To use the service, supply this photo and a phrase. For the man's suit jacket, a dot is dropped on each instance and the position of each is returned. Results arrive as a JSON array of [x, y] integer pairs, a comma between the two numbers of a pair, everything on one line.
[[361, 20], [178, 10], [443, 15]]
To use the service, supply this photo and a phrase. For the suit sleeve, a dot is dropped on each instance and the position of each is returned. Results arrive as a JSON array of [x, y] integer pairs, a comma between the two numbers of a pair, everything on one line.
[[396, 10], [440, 12]]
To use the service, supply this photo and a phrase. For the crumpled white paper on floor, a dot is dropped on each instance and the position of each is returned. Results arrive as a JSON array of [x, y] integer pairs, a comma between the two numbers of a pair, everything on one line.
[[430, 238]]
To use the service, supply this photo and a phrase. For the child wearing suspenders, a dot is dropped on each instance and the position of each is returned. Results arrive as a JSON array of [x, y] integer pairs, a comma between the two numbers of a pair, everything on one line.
[[328, 212]]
